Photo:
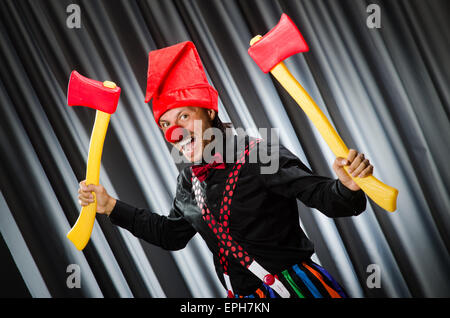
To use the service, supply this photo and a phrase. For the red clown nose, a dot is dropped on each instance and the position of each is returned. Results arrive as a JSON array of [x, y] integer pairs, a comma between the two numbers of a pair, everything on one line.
[[175, 134]]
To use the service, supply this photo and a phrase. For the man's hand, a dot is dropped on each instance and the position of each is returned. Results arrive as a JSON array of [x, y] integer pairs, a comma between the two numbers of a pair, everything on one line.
[[105, 203], [359, 167]]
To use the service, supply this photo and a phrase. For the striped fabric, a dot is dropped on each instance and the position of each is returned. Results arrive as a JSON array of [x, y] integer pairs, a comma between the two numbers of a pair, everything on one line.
[[304, 280]]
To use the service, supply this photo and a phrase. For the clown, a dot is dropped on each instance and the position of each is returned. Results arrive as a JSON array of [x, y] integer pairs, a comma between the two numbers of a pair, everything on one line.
[[248, 219]]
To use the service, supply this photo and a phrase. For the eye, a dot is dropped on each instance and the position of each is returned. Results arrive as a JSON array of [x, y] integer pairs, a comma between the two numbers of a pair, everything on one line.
[[164, 124], [184, 116]]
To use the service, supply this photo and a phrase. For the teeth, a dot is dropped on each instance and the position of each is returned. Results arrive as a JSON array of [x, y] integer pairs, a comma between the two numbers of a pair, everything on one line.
[[186, 141]]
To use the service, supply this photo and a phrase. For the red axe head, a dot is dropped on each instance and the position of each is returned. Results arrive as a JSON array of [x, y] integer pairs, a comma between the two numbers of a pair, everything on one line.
[[278, 44], [83, 91]]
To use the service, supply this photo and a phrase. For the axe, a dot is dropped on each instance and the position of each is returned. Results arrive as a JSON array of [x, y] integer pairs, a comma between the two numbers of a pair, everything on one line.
[[268, 52], [103, 97]]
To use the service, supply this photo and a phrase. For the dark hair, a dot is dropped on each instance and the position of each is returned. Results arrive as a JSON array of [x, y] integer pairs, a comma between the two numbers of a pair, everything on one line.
[[217, 123]]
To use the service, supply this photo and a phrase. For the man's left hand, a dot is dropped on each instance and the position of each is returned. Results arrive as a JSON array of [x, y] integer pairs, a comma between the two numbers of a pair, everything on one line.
[[359, 166]]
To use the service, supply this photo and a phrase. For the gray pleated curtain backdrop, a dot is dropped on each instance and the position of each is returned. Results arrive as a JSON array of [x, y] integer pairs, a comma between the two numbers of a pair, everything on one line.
[[384, 89]]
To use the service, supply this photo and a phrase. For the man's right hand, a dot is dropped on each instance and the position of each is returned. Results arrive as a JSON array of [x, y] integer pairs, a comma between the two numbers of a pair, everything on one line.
[[105, 203]]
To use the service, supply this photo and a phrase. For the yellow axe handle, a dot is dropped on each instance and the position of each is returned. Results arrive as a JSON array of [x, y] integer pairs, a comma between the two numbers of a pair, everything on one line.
[[81, 231], [382, 194]]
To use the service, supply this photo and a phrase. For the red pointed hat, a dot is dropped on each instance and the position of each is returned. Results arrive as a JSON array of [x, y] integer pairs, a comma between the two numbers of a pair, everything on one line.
[[176, 78]]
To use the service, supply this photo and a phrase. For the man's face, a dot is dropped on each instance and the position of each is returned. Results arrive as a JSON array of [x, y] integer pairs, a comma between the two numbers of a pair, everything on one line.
[[190, 146]]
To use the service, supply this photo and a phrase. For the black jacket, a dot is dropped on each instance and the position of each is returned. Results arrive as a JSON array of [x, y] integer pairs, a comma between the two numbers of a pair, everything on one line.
[[264, 218]]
